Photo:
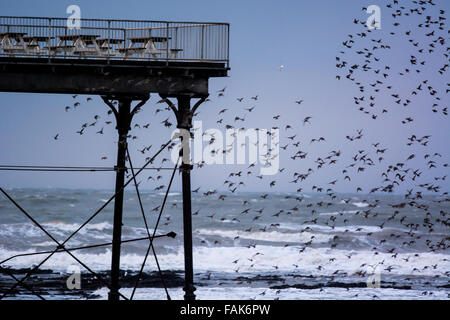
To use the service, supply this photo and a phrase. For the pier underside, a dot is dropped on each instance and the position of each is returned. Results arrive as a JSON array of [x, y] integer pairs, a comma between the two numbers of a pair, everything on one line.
[[103, 77]]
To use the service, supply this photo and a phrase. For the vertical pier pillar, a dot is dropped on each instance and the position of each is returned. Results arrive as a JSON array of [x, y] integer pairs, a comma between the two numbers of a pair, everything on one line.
[[123, 127], [184, 117], [187, 231], [123, 116]]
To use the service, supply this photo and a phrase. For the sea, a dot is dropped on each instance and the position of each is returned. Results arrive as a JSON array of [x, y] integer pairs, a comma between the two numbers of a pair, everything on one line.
[[246, 245]]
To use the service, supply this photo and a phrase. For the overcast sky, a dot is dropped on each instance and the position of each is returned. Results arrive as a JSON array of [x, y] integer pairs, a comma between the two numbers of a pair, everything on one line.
[[303, 36]]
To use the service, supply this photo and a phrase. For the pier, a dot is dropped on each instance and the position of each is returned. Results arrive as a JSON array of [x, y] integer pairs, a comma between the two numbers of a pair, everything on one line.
[[124, 62]]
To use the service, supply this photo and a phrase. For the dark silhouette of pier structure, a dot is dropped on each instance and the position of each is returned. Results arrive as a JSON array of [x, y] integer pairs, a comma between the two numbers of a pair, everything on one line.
[[123, 61]]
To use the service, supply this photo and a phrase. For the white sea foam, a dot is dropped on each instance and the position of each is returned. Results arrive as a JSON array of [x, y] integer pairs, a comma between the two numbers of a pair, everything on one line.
[[44, 244], [263, 259], [360, 204], [350, 228], [289, 226], [245, 293], [335, 213], [299, 237], [229, 221], [64, 226]]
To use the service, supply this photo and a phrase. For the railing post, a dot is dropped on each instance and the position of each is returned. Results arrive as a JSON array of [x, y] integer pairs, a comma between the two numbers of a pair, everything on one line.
[[65, 41], [176, 39], [228, 46], [124, 39], [8, 28], [203, 38], [49, 38], [109, 41], [167, 43]]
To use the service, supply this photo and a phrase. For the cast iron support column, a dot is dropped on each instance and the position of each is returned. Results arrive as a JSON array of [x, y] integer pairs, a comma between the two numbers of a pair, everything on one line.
[[187, 226], [123, 116], [184, 117], [123, 126]]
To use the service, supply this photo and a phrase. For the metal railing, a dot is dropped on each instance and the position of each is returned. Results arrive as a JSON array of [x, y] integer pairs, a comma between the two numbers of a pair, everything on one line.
[[114, 39]]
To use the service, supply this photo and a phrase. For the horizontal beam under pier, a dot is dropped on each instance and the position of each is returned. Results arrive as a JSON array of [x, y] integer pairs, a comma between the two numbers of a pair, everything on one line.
[[98, 85], [108, 79]]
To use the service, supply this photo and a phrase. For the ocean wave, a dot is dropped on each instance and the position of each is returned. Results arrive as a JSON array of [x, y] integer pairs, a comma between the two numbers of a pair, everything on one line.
[[335, 213], [260, 258], [360, 204], [20, 235], [274, 236], [65, 226]]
